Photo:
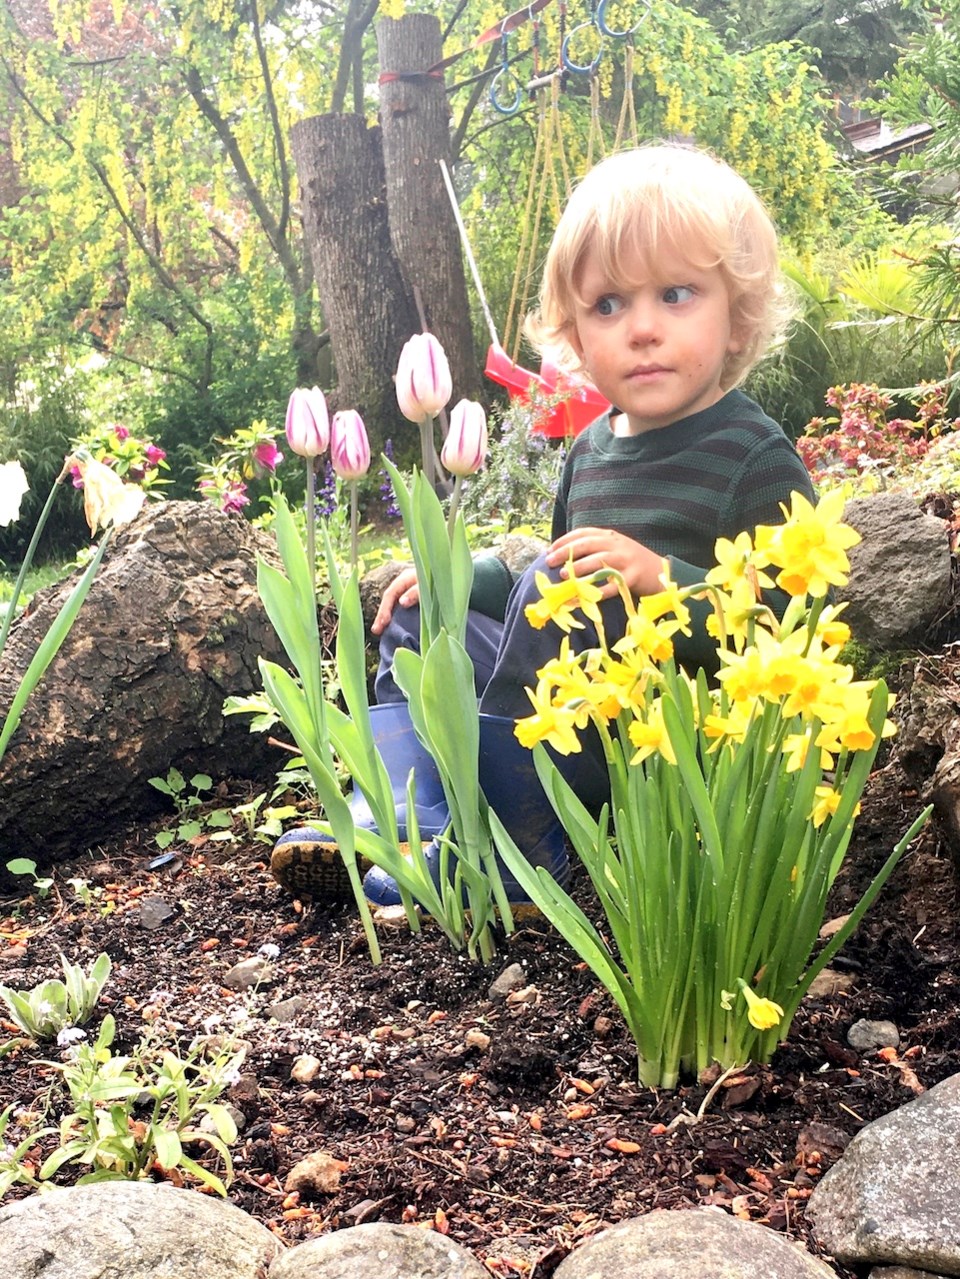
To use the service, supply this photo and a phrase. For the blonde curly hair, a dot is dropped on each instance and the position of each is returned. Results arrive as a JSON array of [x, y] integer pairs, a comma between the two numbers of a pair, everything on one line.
[[665, 197]]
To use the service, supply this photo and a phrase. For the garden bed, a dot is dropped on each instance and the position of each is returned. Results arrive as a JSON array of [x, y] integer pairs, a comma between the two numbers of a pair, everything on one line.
[[514, 1124]]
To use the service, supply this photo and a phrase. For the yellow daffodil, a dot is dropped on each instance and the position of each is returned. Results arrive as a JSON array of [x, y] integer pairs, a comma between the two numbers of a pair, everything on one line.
[[811, 547], [650, 735], [825, 805], [559, 601], [556, 725], [738, 565], [762, 1014], [831, 632]]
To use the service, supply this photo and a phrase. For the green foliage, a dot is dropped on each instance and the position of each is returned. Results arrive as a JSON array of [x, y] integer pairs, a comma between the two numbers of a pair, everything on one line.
[[187, 799], [131, 1113], [55, 1005], [27, 866], [519, 479]]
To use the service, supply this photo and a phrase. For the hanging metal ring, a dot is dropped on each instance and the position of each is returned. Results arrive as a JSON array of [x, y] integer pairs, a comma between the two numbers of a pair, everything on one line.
[[581, 68], [505, 107], [600, 19]]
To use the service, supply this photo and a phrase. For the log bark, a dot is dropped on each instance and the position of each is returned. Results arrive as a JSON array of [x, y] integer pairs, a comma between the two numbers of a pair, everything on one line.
[[415, 118], [367, 305], [173, 624]]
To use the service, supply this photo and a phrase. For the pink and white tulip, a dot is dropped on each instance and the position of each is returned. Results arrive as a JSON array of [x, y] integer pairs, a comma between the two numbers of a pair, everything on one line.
[[424, 384], [349, 446], [465, 447], [308, 422]]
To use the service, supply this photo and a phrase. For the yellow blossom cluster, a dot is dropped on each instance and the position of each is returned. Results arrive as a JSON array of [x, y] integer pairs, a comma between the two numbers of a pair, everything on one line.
[[793, 665]]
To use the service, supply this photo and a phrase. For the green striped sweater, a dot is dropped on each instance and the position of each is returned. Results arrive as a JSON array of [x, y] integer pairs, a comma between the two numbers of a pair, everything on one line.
[[714, 474]]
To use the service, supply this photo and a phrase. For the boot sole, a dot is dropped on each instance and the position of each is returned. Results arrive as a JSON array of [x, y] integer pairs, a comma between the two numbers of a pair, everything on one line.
[[313, 871]]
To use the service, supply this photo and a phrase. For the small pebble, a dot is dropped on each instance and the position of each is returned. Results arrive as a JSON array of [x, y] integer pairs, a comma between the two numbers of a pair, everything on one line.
[[828, 983], [833, 926], [512, 978], [866, 1035], [286, 1010], [305, 1068], [528, 995], [318, 1173], [477, 1039], [254, 971]]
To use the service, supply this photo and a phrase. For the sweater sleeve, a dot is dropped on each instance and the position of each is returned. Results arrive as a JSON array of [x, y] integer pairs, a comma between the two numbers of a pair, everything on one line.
[[492, 583]]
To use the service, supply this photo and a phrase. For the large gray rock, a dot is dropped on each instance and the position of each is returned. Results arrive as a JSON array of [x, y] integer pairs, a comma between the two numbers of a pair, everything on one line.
[[690, 1245], [899, 573], [892, 1197], [131, 1230], [378, 1251]]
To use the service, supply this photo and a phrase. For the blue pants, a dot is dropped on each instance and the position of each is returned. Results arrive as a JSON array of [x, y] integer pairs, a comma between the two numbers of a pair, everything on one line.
[[506, 657]]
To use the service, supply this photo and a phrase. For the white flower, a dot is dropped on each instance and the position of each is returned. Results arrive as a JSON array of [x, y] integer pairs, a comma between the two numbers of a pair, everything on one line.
[[106, 499], [13, 485], [70, 1035]]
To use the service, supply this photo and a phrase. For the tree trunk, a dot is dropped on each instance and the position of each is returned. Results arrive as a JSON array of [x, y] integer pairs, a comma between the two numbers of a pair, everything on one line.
[[173, 624], [415, 119], [368, 308]]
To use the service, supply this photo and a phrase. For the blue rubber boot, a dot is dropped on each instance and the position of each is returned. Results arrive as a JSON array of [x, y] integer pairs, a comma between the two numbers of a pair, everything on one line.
[[509, 781], [306, 862]]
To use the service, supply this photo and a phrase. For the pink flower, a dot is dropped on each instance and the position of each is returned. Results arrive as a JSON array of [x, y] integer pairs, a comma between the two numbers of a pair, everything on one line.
[[466, 444], [121, 432], [349, 446], [424, 384], [308, 422], [154, 455], [234, 496], [267, 455]]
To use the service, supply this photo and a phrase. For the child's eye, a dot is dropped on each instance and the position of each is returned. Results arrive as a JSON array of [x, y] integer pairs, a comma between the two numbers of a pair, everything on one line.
[[609, 304], [677, 293]]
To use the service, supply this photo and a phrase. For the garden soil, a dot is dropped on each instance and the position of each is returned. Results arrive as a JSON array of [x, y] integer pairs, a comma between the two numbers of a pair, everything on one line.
[[513, 1124]]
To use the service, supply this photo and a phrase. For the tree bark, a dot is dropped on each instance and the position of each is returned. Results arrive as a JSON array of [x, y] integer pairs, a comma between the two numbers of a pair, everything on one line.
[[415, 119], [172, 625], [367, 305]]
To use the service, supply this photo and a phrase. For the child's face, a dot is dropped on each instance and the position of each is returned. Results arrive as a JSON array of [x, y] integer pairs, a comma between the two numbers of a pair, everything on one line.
[[655, 347]]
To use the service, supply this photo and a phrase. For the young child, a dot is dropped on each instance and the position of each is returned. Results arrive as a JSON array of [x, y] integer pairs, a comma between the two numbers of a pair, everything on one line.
[[661, 284]]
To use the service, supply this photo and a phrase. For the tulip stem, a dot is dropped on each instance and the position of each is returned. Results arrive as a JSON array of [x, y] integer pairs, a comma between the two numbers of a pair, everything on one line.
[[354, 524], [311, 514], [426, 450], [28, 560], [454, 504]]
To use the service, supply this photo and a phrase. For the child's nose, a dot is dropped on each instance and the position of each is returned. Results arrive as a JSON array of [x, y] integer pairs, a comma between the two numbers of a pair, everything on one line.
[[643, 321]]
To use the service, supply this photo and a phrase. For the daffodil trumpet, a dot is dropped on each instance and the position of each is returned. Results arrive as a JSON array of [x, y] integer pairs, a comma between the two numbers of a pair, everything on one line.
[[732, 800]]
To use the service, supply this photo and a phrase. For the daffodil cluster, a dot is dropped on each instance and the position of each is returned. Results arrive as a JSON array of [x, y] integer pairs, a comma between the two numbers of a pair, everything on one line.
[[732, 800]]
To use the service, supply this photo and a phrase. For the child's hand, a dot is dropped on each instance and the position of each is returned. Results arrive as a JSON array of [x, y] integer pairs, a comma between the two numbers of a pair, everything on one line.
[[403, 590], [596, 548]]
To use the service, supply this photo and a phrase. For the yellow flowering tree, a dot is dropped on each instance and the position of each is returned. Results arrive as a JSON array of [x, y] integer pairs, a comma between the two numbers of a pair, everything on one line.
[[732, 804]]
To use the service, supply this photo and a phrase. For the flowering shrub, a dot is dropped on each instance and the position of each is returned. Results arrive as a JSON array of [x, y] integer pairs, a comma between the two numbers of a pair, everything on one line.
[[135, 460], [250, 453], [860, 441], [731, 806]]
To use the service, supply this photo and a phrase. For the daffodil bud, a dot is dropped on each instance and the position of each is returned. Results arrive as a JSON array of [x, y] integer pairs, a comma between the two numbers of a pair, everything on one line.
[[308, 422], [465, 447], [13, 485], [424, 385], [349, 446]]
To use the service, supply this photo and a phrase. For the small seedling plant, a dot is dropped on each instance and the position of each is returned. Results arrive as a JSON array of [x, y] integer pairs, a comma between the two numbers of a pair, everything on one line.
[[54, 1005], [135, 1113], [188, 797]]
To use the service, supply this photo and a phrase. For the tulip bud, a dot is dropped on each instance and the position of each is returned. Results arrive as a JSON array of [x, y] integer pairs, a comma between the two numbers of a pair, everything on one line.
[[466, 444], [349, 446], [308, 422], [424, 384]]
